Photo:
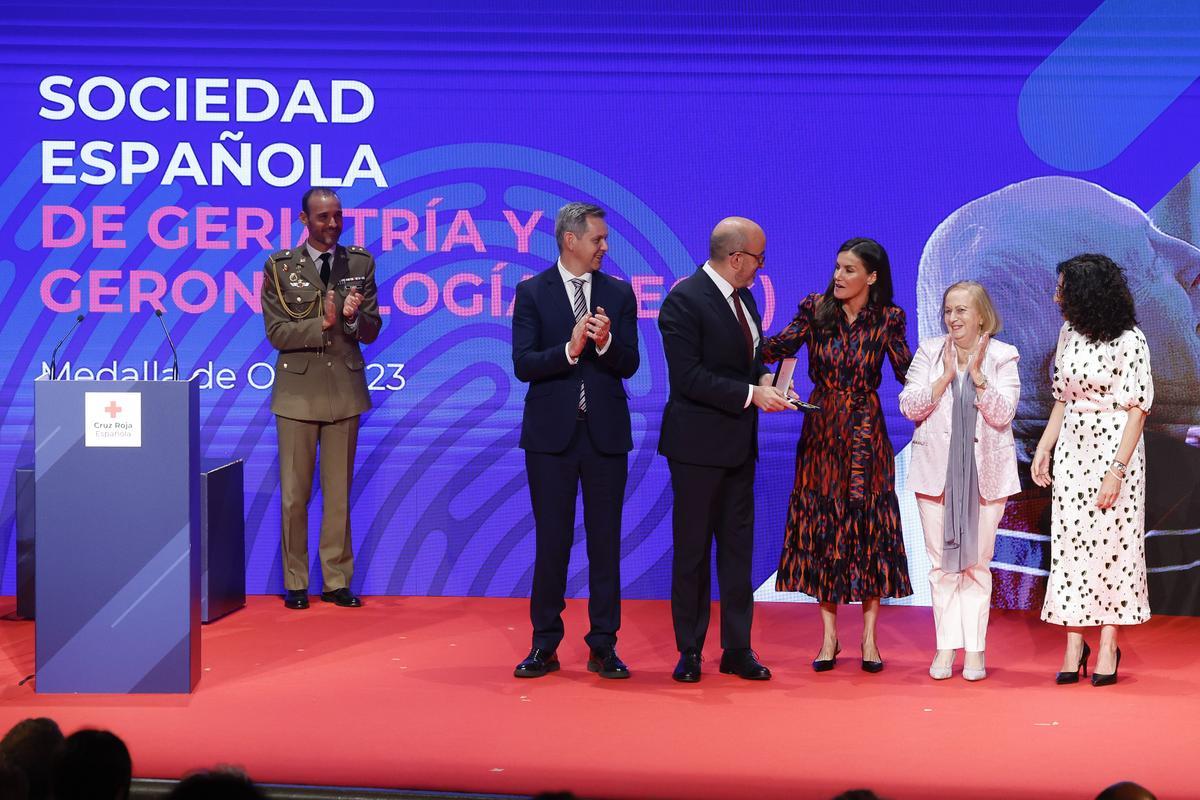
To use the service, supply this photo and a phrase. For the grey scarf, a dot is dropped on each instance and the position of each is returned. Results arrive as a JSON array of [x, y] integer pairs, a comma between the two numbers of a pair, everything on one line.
[[960, 547]]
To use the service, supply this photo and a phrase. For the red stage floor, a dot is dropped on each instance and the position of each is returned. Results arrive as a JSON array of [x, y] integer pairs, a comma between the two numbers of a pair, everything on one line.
[[417, 693]]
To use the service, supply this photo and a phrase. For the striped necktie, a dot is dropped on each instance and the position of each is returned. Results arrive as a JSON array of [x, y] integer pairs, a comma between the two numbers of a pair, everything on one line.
[[580, 312]]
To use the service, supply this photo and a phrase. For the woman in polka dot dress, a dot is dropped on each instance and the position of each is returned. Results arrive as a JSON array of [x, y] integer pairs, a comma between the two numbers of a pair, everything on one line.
[[1102, 392]]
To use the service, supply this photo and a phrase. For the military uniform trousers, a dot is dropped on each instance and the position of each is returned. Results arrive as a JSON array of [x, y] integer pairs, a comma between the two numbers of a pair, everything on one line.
[[299, 444]]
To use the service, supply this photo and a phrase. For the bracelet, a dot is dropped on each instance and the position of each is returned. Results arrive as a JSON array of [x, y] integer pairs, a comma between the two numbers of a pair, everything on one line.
[[1118, 468], [1116, 474], [982, 386]]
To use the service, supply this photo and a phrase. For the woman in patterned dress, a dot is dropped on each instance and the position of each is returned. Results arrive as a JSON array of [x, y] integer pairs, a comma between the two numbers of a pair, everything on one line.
[[843, 541], [1102, 392]]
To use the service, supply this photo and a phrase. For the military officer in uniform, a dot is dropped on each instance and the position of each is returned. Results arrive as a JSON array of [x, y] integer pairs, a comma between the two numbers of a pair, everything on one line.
[[319, 302]]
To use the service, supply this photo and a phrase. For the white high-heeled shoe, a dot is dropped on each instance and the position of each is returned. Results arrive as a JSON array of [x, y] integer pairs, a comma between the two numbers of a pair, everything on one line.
[[975, 673], [941, 673]]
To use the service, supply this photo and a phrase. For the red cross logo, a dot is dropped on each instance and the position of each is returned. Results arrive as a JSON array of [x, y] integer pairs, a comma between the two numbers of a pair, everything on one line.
[[112, 409]]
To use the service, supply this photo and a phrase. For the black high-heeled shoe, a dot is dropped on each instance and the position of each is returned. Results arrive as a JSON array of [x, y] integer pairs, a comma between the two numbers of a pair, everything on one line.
[[826, 664], [873, 666], [1073, 677], [1109, 679]]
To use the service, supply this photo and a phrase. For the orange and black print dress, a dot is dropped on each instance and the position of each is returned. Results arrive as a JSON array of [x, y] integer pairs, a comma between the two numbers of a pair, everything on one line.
[[844, 542]]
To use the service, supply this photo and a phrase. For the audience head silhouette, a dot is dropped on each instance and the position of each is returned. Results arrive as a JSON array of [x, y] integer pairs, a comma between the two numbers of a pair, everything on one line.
[[92, 765], [13, 785], [29, 747], [1126, 790], [221, 784]]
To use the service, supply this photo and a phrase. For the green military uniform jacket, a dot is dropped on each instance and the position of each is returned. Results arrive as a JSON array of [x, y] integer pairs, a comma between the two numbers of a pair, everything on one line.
[[319, 375]]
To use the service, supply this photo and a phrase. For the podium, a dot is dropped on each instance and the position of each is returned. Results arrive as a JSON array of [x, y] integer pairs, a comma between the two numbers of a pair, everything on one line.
[[117, 515], [222, 539]]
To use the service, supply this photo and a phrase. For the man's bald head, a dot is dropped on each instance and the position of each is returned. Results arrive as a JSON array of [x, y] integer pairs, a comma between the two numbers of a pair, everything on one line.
[[731, 235], [736, 250]]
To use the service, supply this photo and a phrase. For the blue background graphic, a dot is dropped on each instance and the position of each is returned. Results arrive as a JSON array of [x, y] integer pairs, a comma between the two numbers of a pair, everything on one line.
[[820, 120]]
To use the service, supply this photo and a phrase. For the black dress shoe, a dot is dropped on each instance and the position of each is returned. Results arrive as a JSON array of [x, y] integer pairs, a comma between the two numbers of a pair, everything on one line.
[[342, 597], [744, 664], [537, 664], [826, 664], [688, 668], [296, 598], [606, 662]]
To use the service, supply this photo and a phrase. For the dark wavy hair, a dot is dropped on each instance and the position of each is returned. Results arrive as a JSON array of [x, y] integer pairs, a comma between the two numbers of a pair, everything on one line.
[[875, 259], [1095, 298]]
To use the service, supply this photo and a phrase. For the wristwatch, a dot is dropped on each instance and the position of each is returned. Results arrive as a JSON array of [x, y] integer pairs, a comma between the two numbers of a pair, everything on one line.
[[982, 386]]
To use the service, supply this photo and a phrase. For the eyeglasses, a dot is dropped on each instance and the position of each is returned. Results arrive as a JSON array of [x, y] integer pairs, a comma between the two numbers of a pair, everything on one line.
[[761, 258]]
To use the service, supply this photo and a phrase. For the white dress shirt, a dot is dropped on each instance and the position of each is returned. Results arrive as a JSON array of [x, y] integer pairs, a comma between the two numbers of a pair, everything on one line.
[[315, 255], [567, 277], [730, 295]]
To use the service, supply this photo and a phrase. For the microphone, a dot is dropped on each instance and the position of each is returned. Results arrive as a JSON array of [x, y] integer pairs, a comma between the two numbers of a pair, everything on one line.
[[54, 355], [174, 355]]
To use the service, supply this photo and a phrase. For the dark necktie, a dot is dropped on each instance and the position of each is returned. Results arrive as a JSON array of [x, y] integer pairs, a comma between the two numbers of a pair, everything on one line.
[[581, 311], [326, 259], [741, 315]]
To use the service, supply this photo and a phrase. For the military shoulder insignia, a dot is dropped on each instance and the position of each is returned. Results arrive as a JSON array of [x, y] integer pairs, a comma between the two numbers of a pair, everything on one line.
[[356, 249], [283, 259]]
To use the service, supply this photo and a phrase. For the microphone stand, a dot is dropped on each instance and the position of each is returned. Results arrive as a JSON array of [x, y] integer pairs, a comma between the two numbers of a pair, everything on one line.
[[54, 355], [174, 355]]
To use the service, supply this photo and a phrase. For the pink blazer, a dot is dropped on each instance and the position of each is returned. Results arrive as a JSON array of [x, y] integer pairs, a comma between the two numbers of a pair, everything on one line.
[[995, 456]]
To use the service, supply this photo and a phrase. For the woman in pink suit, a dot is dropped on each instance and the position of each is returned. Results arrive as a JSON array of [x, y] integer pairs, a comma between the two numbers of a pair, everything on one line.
[[962, 391]]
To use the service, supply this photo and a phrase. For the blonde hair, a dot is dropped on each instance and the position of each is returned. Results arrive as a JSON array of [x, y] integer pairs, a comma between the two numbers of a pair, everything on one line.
[[991, 324]]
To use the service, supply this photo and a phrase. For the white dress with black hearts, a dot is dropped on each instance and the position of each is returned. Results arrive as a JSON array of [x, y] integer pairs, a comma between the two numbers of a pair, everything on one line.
[[1098, 557]]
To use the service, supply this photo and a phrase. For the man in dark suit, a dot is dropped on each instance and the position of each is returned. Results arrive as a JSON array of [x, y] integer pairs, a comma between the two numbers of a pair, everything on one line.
[[319, 303], [712, 337], [574, 340]]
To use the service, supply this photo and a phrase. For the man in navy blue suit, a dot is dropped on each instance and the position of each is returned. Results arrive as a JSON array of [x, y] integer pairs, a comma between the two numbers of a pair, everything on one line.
[[712, 337], [574, 340]]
